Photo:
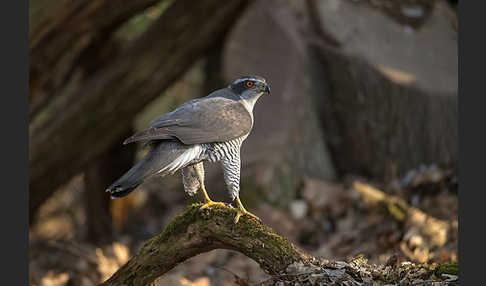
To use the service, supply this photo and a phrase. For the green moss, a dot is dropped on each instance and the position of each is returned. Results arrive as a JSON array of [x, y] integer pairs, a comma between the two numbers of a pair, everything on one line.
[[249, 228], [447, 268], [219, 212], [179, 224], [246, 227]]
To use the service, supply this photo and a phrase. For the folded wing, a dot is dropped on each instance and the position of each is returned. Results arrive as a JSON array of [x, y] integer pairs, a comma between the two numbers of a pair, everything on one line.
[[205, 120]]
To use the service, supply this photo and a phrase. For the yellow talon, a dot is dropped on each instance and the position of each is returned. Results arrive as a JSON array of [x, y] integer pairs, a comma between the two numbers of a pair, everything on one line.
[[242, 211], [210, 204]]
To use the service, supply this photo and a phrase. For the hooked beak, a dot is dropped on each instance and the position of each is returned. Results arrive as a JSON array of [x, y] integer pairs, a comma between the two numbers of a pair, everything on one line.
[[266, 89]]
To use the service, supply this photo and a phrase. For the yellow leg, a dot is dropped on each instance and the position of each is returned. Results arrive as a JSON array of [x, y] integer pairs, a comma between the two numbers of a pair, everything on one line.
[[199, 167], [242, 211], [207, 200]]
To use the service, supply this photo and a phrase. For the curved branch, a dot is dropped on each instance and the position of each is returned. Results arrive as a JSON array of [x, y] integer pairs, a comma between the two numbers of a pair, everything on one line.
[[195, 232]]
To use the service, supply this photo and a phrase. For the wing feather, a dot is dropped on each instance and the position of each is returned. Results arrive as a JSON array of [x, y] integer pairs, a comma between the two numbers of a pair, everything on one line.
[[215, 118]]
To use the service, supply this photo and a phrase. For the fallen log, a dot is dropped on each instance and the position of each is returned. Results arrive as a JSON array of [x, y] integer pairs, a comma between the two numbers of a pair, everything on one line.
[[434, 229], [194, 232]]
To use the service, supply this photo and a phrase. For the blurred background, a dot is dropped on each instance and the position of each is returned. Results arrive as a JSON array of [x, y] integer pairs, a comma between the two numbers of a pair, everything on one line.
[[354, 152]]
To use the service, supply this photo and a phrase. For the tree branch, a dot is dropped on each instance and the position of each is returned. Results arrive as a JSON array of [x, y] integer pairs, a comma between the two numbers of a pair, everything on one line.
[[434, 229], [61, 31], [195, 232], [192, 233], [96, 112]]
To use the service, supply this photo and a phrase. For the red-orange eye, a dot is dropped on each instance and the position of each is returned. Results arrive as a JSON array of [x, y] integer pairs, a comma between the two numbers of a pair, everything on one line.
[[249, 84]]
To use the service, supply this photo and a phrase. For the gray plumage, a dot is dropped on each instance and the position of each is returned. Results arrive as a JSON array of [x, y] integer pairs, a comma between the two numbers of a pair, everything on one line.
[[219, 117], [209, 129], [161, 155]]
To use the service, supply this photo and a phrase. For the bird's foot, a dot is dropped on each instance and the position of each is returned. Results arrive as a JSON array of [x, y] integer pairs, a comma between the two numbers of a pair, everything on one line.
[[210, 204], [240, 212]]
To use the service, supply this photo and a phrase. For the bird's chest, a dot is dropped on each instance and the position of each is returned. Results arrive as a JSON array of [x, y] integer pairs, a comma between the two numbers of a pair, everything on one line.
[[224, 150]]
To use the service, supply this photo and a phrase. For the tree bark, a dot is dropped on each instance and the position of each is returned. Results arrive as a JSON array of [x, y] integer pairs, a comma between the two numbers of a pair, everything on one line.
[[94, 113], [389, 106], [195, 232], [63, 32], [213, 69]]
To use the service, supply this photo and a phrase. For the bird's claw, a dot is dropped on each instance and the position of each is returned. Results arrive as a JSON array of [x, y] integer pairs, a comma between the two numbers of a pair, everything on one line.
[[210, 204], [247, 213]]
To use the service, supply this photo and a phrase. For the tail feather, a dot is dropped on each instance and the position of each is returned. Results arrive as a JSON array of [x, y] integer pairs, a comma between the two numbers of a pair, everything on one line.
[[159, 160], [120, 192], [130, 180]]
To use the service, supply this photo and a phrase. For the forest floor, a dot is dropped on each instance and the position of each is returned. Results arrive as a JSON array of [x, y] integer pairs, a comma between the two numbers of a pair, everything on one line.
[[418, 222]]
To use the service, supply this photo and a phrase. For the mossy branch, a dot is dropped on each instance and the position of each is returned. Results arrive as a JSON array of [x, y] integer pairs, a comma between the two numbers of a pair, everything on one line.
[[194, 232]]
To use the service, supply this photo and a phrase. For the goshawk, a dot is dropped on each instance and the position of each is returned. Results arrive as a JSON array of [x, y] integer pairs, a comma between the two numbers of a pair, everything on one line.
[[210, 128]]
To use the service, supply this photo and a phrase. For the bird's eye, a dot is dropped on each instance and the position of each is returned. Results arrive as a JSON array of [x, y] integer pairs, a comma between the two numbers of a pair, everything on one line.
[[249, 83]]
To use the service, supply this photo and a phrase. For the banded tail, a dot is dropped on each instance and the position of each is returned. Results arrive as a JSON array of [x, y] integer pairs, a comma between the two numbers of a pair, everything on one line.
[[164, 157]]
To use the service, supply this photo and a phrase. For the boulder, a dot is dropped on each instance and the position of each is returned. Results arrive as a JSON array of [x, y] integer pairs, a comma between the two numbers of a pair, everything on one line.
[[287, 142], [391, 98]]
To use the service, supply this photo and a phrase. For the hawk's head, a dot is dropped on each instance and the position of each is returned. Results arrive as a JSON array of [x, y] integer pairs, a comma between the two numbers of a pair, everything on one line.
[[250, 87]]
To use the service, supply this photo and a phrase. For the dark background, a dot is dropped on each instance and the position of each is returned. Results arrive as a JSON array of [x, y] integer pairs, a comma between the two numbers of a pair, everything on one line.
[[360, 90]]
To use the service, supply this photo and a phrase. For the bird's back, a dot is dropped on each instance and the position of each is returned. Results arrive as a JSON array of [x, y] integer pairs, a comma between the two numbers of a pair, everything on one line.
[[219, 117]]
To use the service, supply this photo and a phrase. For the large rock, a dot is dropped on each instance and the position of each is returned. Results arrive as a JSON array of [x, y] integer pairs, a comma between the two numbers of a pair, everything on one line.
[[391, 103], [286, 142]]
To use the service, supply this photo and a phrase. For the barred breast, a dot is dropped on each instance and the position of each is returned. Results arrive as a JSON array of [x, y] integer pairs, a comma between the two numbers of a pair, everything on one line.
[[228, 150]]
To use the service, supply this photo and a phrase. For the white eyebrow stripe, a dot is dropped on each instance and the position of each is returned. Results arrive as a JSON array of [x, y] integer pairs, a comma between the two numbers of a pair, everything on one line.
[[248, 78]]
